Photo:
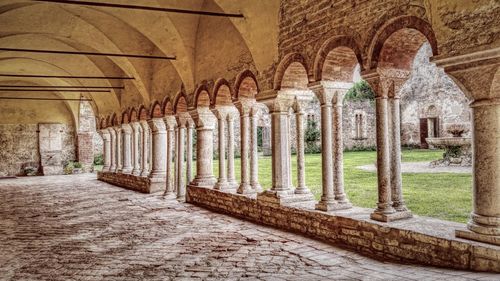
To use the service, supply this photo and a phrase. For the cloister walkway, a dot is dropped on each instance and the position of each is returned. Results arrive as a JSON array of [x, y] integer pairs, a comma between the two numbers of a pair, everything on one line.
[[77, 228]]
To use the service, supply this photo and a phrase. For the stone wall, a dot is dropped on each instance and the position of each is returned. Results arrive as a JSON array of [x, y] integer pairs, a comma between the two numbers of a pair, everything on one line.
[[19, 146], [367, 109], [136, 183], [417, 240]]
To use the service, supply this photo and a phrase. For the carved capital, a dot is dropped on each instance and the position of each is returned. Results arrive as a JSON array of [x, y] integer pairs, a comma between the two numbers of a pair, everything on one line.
[[170, 122], [203, 118], [127, 129], [157, 125]]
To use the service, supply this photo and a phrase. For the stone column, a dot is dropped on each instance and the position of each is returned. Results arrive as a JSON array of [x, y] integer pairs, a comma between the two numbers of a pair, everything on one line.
[[479, 77], [331, 140], [176, 157], [205, 124], [119, 162], [112, 132], [289, 158], [396, 175], [136, 134], [181, 185], [127, 149], [106, 136], [230, 152], [222, 182], [384, 208], [254, 153], [338, 151], [189, 152], [145, 148], [245, 187], [170, 188], [301, 169], [158, 154]]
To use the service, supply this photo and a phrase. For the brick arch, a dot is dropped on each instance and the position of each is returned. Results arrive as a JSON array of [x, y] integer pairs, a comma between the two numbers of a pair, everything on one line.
[[377, 41], [340, 41], [125, 116], [202, 96], [246, 81], [223, 91], [115, 120], [180, 103], [143, 113], [155, 110], [134, 117], [284, 65], [167, 107]]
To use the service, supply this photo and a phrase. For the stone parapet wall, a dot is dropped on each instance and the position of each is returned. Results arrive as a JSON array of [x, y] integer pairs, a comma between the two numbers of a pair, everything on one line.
[[136, 183], [417, 240]]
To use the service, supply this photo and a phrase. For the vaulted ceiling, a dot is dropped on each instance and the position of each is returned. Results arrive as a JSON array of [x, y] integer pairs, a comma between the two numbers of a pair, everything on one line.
[[205, 47]]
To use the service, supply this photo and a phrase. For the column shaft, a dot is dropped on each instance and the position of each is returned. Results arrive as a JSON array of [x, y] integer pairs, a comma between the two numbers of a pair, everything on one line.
[[170, 190], [158, 153], [222, 182], [107, 150], [280, 152], [338, 155], [181, 186], [301, 169], [254, 154], [112, 132], [189, 154], [119, 148], [145, 149], [135, 148], [244, 187], [396, 177], [127, 149], [230, 153]]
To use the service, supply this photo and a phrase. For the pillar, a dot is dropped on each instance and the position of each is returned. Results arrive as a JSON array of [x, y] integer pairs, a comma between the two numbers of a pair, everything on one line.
[[396, 174], [245, 187], [230, 152], [106, 149], [189, 152], [254, 152], [159, 152], [338, 151], [112, 132], [119, 148], [205, 124], [127, 149], [181, 186], [170, 187], [145, 148], [301, 169], [136, 135], [222, 181], [333, 196]]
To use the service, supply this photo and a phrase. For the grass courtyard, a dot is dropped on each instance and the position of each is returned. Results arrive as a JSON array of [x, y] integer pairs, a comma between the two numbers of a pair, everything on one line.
[[444, 195]]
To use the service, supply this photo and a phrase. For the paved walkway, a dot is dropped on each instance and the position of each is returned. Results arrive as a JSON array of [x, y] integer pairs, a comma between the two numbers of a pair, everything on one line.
[[76, 228], [422, 167]]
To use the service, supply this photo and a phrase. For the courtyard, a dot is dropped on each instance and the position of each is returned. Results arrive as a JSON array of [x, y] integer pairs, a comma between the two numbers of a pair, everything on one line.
[[77, 228]]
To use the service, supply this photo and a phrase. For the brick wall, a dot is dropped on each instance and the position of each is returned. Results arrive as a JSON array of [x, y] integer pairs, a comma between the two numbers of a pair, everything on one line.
[[417, 240]]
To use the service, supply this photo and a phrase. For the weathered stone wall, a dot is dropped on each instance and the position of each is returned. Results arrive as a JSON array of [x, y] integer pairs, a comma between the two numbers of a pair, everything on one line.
[[367, 109], [430, 93], [419, 241], [19, 146]]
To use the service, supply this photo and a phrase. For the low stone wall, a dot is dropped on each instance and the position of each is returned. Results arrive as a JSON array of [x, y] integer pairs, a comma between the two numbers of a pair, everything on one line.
[[136, 183], [417, 240]]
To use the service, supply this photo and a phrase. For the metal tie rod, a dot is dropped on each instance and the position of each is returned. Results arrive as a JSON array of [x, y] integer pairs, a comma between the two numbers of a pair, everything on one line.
[[78, 53], [66, 76]]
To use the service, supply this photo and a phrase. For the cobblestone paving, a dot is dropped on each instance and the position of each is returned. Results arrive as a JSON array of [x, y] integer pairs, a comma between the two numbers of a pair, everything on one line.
[[76, 228]]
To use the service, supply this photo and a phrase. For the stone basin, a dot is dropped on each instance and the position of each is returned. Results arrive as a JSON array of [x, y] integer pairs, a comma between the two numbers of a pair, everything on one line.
[[449, 141], [458, 151]]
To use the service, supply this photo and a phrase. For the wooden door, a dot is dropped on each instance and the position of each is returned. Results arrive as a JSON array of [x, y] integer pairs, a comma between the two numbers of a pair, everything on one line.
[[424, 133]]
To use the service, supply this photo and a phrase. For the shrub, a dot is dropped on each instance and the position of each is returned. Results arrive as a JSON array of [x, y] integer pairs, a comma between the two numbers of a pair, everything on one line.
[[312, 135], [360, 91], [98, 159]]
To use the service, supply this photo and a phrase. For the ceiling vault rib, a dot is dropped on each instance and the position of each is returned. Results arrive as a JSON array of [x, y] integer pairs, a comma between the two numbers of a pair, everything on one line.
[[62, 87], [58, 52], [66, 76], [55, 90], [42, 99], [145, 8]]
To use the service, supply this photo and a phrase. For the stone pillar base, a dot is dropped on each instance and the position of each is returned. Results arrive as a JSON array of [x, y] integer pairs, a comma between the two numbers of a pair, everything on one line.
[[170, 196], [246, 189], [391, 217], [284, 197], [157, 184], [224, 186], [332, 206], [257, 187], [204, 182], [467, 234]]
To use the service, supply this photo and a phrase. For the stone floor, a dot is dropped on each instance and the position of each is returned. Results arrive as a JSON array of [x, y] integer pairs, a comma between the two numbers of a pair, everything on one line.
[[76, 228]]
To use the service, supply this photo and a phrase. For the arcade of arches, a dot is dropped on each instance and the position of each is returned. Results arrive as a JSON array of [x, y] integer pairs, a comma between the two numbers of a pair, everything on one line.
[[162, 129]]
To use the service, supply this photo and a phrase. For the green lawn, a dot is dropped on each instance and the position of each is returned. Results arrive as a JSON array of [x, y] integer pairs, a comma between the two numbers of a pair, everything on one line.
[[444, 195]]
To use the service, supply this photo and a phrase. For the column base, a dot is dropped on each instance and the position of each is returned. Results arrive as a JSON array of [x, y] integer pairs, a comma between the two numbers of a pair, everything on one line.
[[144, 174], [136, 172], [170, 195], [388, 217], [157, 184], [467, 234], [245, 188], [332, 206], [303, 190], [284, 197], [127, 171], [224, 186], [204, 182], [256, 187]]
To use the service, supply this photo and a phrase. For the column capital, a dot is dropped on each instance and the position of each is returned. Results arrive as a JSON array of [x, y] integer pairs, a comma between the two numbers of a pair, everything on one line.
[[203, 118], [476, 73], [157, 125], [104, 132], [386, 82], [170, 122], [329, 92], [127, 128], [222, 112], [135, 125]]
